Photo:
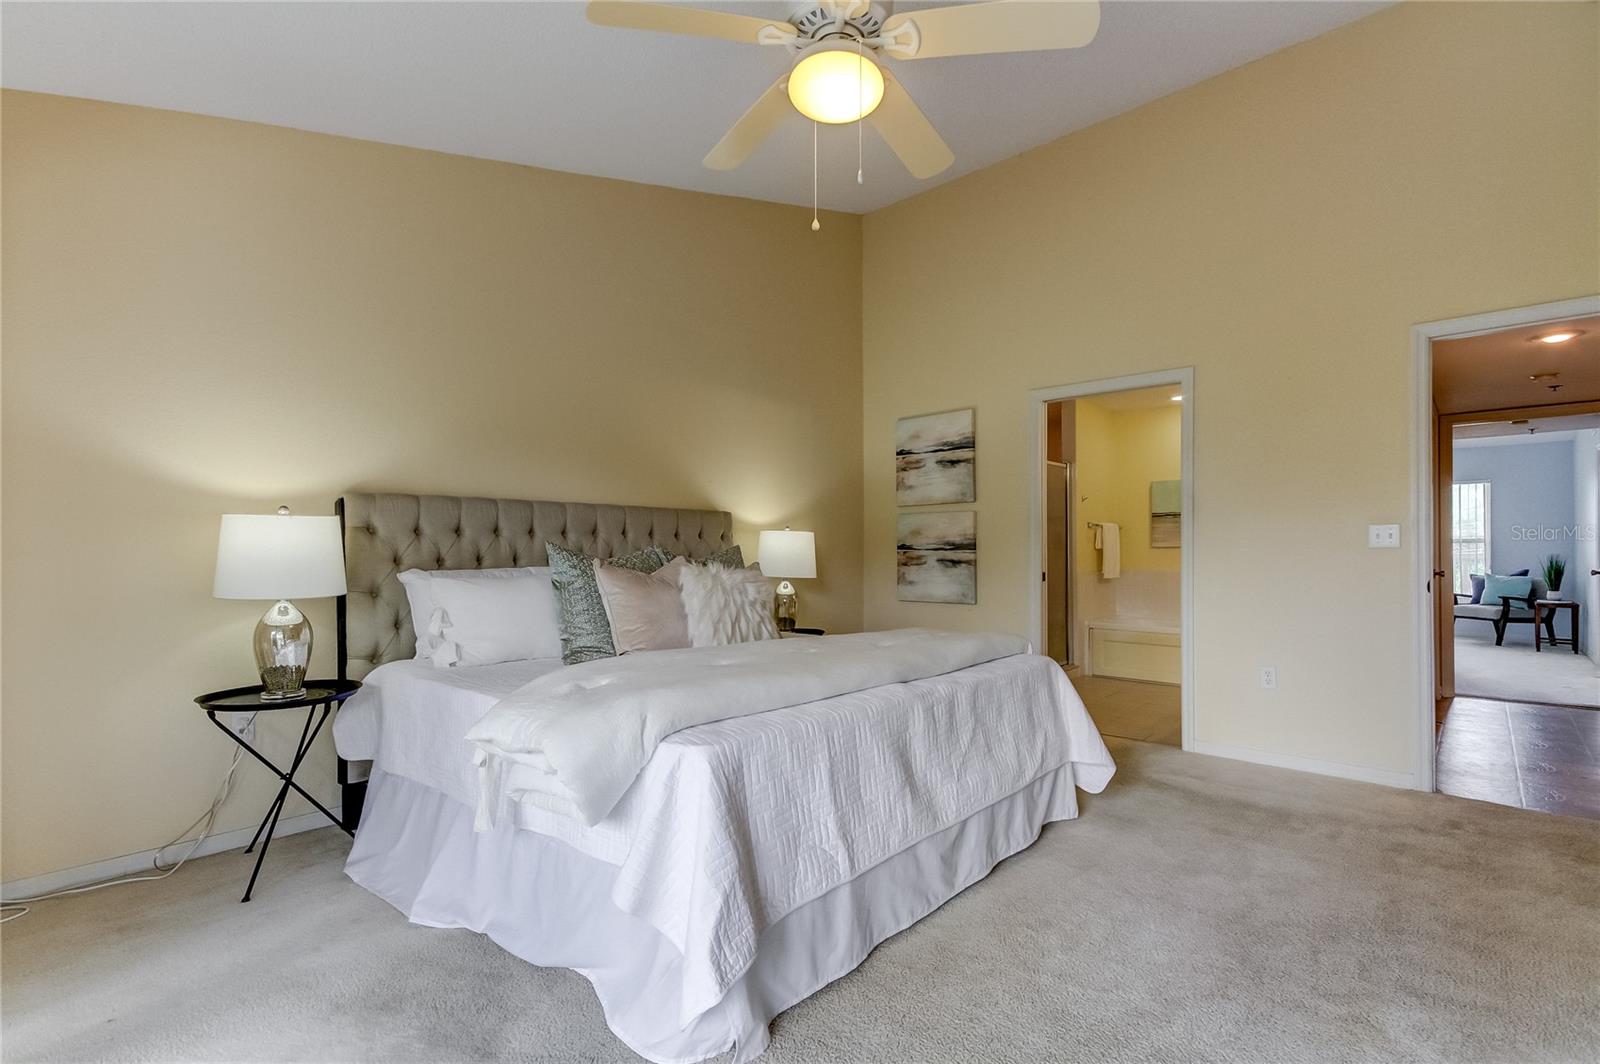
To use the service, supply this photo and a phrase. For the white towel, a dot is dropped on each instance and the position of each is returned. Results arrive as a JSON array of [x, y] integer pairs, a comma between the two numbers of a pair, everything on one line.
[[1108, 541]]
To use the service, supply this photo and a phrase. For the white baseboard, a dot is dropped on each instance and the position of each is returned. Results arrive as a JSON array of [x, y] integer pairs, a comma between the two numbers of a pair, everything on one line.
[[134, 863], [1361, 773]]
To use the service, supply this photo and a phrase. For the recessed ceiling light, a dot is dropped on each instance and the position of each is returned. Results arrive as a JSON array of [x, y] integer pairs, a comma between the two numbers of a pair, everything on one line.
[[1560, 337], [1177, 398]]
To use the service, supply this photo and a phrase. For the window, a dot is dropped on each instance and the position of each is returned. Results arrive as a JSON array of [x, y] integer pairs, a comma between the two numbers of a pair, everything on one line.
[[1469, 532]]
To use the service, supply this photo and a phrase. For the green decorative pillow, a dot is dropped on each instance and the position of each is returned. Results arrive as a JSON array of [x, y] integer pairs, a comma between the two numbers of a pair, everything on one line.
[[585, 629], [1497, 589], [732, 557]]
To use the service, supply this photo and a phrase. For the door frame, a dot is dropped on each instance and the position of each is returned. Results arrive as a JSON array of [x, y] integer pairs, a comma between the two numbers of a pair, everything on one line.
[[1424, 485], [1038, 398]]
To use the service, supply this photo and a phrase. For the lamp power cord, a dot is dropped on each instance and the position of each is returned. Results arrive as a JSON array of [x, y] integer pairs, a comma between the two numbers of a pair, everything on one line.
[[14, 908]]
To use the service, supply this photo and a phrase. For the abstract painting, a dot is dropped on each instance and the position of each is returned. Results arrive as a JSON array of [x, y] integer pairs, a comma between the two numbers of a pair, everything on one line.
[[936, 557], [933, 459]]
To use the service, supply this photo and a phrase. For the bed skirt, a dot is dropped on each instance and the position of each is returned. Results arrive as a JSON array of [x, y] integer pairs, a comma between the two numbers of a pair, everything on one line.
[[550, 905]]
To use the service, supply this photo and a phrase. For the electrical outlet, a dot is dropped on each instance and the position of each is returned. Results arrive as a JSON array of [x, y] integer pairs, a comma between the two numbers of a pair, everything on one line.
[[1269, 677], [244, 726]]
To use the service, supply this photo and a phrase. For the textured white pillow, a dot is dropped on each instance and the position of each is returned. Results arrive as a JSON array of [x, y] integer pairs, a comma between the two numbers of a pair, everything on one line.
[[483, 616], [726, 605]]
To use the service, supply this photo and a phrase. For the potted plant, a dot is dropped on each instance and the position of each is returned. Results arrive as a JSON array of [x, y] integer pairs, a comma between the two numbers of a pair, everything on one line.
[[1555, 567]]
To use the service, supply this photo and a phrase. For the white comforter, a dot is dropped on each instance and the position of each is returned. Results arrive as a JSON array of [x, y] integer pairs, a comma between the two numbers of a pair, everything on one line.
[[595, 726], [736, 823]]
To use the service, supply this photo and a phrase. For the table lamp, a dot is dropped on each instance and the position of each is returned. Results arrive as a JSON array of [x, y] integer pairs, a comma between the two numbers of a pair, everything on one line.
[[787, 555], [281, 557]]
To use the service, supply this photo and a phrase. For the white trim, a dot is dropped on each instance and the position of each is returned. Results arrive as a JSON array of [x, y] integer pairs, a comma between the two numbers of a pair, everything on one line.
[[135, 863], [1308, 764], [1037, 399], [1422, 432]]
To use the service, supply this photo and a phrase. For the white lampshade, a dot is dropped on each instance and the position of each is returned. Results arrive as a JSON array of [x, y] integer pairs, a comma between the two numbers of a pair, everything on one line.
[[787, 555], [279, 556]]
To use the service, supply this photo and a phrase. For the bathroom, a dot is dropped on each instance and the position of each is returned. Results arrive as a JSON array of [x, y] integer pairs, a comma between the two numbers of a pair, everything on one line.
[[1113, 556]]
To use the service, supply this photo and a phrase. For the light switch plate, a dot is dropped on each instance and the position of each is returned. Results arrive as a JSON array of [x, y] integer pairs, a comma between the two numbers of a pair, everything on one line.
[[1385, 537]]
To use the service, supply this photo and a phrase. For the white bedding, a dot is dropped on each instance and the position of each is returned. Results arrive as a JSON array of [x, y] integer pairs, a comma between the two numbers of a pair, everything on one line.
[[733, 824], [595, 726]]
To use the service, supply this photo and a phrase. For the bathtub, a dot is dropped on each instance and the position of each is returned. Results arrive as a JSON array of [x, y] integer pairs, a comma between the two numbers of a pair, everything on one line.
[[1135, 649]]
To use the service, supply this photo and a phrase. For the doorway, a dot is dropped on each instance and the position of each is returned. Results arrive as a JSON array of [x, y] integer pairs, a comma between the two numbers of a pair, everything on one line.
[[1112, 524], [1509, 514]]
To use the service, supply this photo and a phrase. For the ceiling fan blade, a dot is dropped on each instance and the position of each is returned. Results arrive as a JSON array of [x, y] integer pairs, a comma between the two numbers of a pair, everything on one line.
[[671, 18], [996, 26], [753, 127], [908, 131]]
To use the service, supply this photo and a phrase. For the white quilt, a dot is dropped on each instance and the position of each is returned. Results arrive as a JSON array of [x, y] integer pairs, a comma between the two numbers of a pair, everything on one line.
[[595, 726], [735, 824]]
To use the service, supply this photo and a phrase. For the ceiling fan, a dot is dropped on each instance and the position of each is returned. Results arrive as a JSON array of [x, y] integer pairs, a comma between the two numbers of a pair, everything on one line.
[[836, 47]]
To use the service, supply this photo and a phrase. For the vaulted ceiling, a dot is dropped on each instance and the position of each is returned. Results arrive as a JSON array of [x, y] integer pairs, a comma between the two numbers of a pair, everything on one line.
[[536, 83]]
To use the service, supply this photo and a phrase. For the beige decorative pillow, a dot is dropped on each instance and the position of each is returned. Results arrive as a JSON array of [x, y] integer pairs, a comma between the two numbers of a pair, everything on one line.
[[645, 609]]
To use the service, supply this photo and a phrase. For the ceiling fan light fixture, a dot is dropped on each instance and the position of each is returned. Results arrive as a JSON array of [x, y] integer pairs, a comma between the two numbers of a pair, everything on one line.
[[835, 84]]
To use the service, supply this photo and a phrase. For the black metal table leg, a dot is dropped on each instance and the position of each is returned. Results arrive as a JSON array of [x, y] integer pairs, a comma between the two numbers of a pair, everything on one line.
[[276, 771], [308, 736], [283, 792], [323, 695]]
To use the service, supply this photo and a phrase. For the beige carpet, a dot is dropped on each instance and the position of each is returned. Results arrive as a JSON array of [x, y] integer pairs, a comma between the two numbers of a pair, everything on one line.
[[1201, 910], [1517, 673]]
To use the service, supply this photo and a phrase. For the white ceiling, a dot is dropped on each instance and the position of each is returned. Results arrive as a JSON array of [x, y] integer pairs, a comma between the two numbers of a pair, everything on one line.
[[536, 83], [1545, 430]]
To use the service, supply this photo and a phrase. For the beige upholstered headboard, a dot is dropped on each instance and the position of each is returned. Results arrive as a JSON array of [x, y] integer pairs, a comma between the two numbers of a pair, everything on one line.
[[384, 535]]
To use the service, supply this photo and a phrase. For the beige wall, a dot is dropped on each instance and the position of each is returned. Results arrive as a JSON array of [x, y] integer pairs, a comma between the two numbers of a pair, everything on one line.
[[204, 316], [1279, 228], [1128, 449]]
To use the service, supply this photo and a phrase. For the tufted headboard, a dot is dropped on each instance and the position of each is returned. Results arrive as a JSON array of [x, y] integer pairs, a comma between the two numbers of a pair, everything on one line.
[[384, 535]]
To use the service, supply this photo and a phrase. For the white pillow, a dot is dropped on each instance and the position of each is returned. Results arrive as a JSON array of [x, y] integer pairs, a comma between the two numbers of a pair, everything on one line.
[[419, 594], [483, 616], [726, 605]]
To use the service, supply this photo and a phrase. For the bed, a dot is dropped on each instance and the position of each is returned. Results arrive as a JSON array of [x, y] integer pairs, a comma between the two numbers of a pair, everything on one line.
[[753, 858]]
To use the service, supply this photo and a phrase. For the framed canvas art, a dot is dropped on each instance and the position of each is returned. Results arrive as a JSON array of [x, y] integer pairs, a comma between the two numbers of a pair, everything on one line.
[[936, 557], [933, 459]]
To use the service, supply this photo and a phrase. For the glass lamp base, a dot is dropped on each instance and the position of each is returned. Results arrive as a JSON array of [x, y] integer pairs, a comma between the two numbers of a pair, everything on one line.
[[787, 603], [283, 651], [280, 682]]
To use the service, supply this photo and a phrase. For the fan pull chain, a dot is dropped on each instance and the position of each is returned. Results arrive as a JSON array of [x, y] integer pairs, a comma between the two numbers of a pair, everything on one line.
[[861, 98], [815, 225]]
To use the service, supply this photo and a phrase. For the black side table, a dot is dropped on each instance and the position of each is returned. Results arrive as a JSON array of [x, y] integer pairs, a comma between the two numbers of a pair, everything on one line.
[[323, 693], [1544, 612]]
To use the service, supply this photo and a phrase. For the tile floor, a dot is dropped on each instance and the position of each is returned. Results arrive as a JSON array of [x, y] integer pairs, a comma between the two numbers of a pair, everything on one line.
[[1150, 712], [1528, 756]]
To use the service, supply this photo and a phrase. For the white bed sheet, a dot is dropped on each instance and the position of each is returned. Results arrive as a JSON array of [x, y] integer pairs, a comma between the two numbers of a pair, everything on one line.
[[733, 825]]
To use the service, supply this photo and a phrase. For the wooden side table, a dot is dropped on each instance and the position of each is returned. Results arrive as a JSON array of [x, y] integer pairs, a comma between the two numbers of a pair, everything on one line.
[[319, 693], [1545, 610]]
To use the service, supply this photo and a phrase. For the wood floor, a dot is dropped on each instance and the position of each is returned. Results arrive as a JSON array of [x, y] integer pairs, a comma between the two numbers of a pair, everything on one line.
[[1527, 756], [1150, 712]]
